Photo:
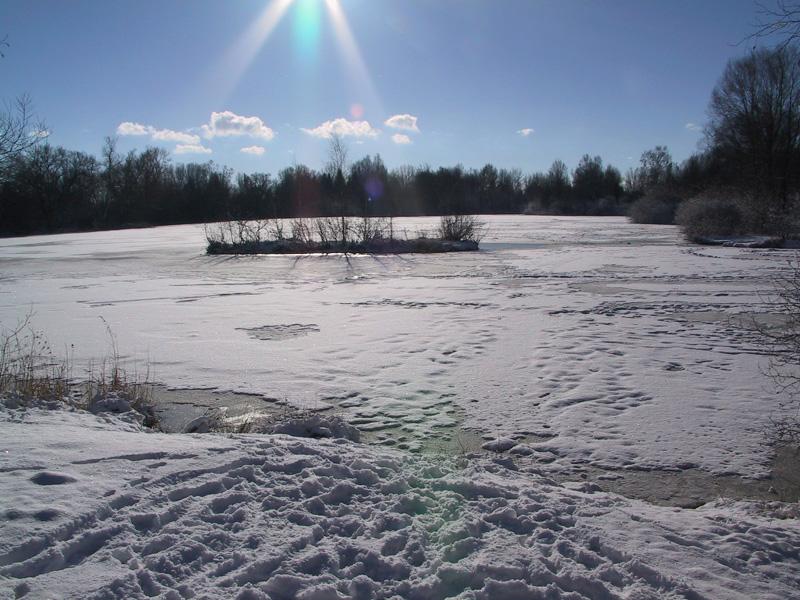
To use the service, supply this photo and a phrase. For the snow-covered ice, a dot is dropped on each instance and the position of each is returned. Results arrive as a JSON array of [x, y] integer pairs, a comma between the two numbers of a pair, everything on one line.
[[589, 340], [95, 508]]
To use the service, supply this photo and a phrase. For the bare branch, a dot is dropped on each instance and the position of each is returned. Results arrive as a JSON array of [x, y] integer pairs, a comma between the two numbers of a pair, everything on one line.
[[782, 340], [337, 155], [783, 19], [19, 130]]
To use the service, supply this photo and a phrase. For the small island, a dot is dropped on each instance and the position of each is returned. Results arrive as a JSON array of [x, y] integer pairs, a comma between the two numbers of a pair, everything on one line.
[[344, 235]]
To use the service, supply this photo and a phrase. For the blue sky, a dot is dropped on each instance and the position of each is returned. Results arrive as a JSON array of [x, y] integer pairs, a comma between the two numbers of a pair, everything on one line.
[[462, 77]]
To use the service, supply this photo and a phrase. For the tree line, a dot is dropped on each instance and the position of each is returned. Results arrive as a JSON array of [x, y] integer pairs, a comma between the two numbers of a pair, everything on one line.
[[49, 188]]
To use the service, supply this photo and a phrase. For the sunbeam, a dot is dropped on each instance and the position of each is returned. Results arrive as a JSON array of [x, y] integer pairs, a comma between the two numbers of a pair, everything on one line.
[[238, 58], [307, 27], [351, 54]]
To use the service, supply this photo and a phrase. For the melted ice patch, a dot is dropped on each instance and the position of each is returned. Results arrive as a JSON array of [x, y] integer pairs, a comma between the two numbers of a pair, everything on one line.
[[276, 333]]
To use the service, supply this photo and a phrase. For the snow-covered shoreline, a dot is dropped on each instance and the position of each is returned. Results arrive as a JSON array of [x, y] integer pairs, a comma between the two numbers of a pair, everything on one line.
[[94, 507]]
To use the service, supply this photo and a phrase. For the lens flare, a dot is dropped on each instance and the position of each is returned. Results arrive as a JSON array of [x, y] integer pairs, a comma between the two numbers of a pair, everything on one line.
[[307, 26], [357, 111], [374, 188]]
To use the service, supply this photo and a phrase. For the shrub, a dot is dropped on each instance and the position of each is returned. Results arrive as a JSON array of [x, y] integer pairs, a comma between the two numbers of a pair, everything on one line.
[[301, 230], [709, 215], [371, 235], [461, 228], [656, 208], [371, 229], [783, 345]]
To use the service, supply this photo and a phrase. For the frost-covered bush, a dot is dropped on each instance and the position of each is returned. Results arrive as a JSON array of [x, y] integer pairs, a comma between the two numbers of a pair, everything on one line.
[[656, 208], [710, 215]]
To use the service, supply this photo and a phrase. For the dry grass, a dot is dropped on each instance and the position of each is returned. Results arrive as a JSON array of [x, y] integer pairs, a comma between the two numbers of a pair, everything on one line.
[[31, 373], [112, 378], [29, 369]]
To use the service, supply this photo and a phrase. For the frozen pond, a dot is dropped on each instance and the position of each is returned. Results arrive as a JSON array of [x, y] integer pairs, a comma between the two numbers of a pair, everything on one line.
[[587, 340]]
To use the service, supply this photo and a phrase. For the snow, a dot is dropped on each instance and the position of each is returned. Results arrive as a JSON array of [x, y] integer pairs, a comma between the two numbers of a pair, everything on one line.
[[95, 507], [567, 346], [590, 340]]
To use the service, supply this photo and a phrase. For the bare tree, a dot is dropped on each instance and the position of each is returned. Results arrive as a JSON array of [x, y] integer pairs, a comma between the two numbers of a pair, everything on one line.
[[755, 124], [783, 19], [19, 131], [337, 164], [111, 177], [337, 155]]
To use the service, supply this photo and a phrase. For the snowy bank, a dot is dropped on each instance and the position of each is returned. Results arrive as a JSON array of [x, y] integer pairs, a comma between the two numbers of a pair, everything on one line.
[[95, 507]]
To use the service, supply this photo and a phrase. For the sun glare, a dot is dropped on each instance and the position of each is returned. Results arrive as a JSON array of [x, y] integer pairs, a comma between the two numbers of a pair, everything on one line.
[[307, 17], [307, 26], [354, 61], [241, 54]]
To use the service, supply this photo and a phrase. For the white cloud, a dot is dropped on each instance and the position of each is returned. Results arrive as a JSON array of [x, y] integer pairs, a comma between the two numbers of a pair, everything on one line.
[[400, 138], [344, 128], [405, 122], [694, 127], [254, 150], [192, 149], [158, 135], [527, 132], [168, 135], [228, 124], [128, 128]]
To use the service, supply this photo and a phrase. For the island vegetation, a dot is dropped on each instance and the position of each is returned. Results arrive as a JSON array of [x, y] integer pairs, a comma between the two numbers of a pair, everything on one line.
[[326, 235]]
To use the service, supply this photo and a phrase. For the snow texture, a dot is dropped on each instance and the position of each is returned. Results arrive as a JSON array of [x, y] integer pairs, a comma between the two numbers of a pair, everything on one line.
[[95, 507], [589, 341], [565, 344]]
